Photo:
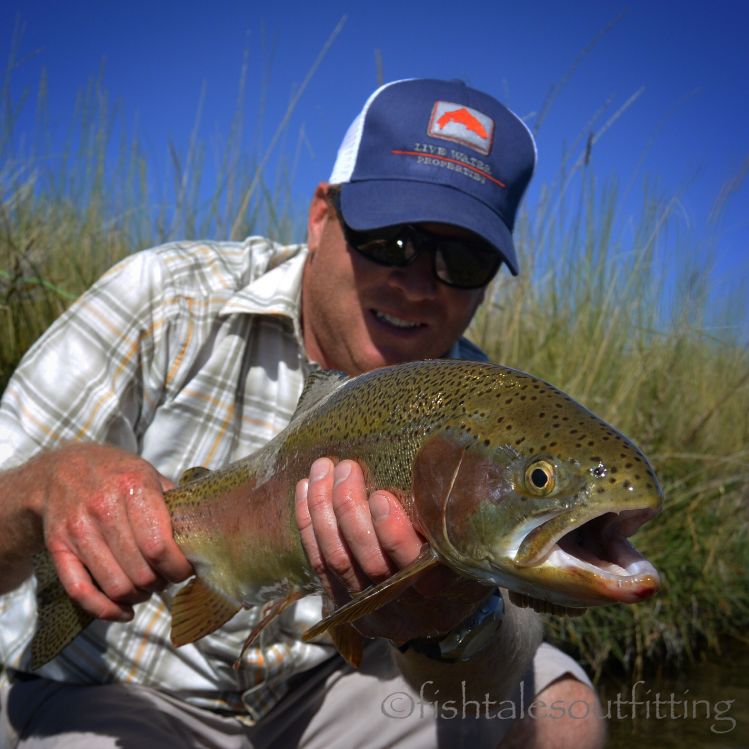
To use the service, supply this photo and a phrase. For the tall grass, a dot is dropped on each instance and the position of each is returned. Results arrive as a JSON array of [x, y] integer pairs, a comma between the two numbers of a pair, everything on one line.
[[594, 312], [67, 215]]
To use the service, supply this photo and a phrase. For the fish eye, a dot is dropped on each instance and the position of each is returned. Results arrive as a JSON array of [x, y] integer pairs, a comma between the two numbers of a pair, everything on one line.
[[540, 478]]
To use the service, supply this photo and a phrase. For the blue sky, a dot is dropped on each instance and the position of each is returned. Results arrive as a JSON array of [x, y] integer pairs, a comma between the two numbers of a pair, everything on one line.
[[687, 132]]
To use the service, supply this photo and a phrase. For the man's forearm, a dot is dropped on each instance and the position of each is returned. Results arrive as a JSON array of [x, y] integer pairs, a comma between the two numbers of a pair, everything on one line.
[[494, 672]]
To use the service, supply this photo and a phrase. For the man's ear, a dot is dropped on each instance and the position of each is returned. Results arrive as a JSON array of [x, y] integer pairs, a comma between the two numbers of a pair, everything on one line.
[[319, 212]]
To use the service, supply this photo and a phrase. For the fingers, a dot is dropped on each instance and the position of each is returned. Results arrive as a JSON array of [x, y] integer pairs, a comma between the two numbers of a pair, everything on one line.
[[78, 584], [394, 529], [105, 539], [153, 537], [323, 537], [348, 536], [108, 530], [307, 531]]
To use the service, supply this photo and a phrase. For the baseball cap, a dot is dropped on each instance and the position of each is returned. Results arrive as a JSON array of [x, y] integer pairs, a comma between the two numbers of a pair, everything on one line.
[[424, 150]]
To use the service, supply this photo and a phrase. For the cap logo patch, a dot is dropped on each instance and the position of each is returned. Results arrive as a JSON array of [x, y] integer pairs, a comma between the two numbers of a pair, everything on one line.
[[461, 124]]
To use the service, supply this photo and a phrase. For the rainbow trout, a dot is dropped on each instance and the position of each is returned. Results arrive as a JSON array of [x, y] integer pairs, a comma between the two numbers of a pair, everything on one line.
[[509, 480]]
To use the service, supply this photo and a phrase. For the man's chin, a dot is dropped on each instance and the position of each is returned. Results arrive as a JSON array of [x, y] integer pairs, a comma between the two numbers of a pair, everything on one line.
[[387, 356]]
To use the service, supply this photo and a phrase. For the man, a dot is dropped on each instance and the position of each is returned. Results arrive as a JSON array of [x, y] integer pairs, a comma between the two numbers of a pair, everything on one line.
[[195, 354]]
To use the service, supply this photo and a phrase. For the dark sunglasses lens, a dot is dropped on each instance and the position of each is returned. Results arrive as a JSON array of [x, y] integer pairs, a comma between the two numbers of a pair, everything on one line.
[[467, 266], [393, 251]]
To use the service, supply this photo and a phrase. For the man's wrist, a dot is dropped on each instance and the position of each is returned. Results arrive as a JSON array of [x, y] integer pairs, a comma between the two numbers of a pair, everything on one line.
[[468, 639]]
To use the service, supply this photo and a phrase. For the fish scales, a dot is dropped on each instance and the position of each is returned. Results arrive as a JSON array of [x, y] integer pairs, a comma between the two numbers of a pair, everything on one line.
[[509, 479]]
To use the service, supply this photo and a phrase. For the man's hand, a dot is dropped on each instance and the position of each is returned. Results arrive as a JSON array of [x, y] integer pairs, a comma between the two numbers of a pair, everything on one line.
[[354, 541], [100, 513]]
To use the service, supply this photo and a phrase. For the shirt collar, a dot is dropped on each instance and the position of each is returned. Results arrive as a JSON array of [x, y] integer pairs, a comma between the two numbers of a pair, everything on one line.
[[275, 292]]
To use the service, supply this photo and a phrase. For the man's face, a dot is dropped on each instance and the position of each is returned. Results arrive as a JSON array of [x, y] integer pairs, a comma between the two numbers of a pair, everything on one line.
[[358, 315]]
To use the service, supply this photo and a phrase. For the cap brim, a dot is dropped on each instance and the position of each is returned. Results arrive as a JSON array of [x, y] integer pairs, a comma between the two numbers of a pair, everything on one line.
[[375, 203]]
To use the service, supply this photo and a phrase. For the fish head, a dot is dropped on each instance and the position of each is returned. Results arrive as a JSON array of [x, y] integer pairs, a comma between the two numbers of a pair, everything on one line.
[[527, 489]]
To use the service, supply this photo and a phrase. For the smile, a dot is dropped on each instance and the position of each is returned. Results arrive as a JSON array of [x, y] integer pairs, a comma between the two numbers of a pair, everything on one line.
[[396, 321]]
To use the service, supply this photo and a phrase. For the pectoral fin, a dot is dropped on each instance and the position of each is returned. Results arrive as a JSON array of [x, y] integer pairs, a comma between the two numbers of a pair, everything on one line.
[[377, 596], [197, 611], [348, 642], [59, 620]]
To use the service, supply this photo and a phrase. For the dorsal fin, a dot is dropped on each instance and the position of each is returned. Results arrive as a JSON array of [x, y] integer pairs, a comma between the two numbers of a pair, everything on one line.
[[319, 384], [190, 474]]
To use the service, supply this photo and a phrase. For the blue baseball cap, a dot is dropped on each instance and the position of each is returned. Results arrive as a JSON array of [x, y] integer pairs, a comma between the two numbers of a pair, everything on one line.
[[429, 150]]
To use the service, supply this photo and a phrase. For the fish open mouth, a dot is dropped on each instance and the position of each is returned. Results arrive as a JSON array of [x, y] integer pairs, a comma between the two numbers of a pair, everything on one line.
[[598, 553], [602, 542]]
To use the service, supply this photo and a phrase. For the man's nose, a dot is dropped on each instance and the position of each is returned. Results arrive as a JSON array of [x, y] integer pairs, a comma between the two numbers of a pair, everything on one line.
[[417, 280]]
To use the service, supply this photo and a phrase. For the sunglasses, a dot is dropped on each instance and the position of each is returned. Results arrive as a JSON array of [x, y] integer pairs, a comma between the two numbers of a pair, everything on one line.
[[462, 263]]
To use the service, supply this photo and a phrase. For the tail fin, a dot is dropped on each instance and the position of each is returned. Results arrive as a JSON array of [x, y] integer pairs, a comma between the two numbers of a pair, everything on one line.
[[59, 620]]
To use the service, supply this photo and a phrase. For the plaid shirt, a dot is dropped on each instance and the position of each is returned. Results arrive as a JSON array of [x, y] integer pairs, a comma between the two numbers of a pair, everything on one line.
[[186, 354]]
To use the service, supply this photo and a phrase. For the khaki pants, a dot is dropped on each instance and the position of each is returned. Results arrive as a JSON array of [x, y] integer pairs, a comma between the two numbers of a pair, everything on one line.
[[329, 707]]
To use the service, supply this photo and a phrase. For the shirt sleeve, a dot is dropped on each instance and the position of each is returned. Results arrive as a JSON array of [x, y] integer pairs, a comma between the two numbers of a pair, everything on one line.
[[98, 371], [92, 376], [465, 349]]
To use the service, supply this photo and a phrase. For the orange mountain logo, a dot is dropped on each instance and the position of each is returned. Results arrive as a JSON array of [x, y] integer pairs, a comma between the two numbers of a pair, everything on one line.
[[461, 124]]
